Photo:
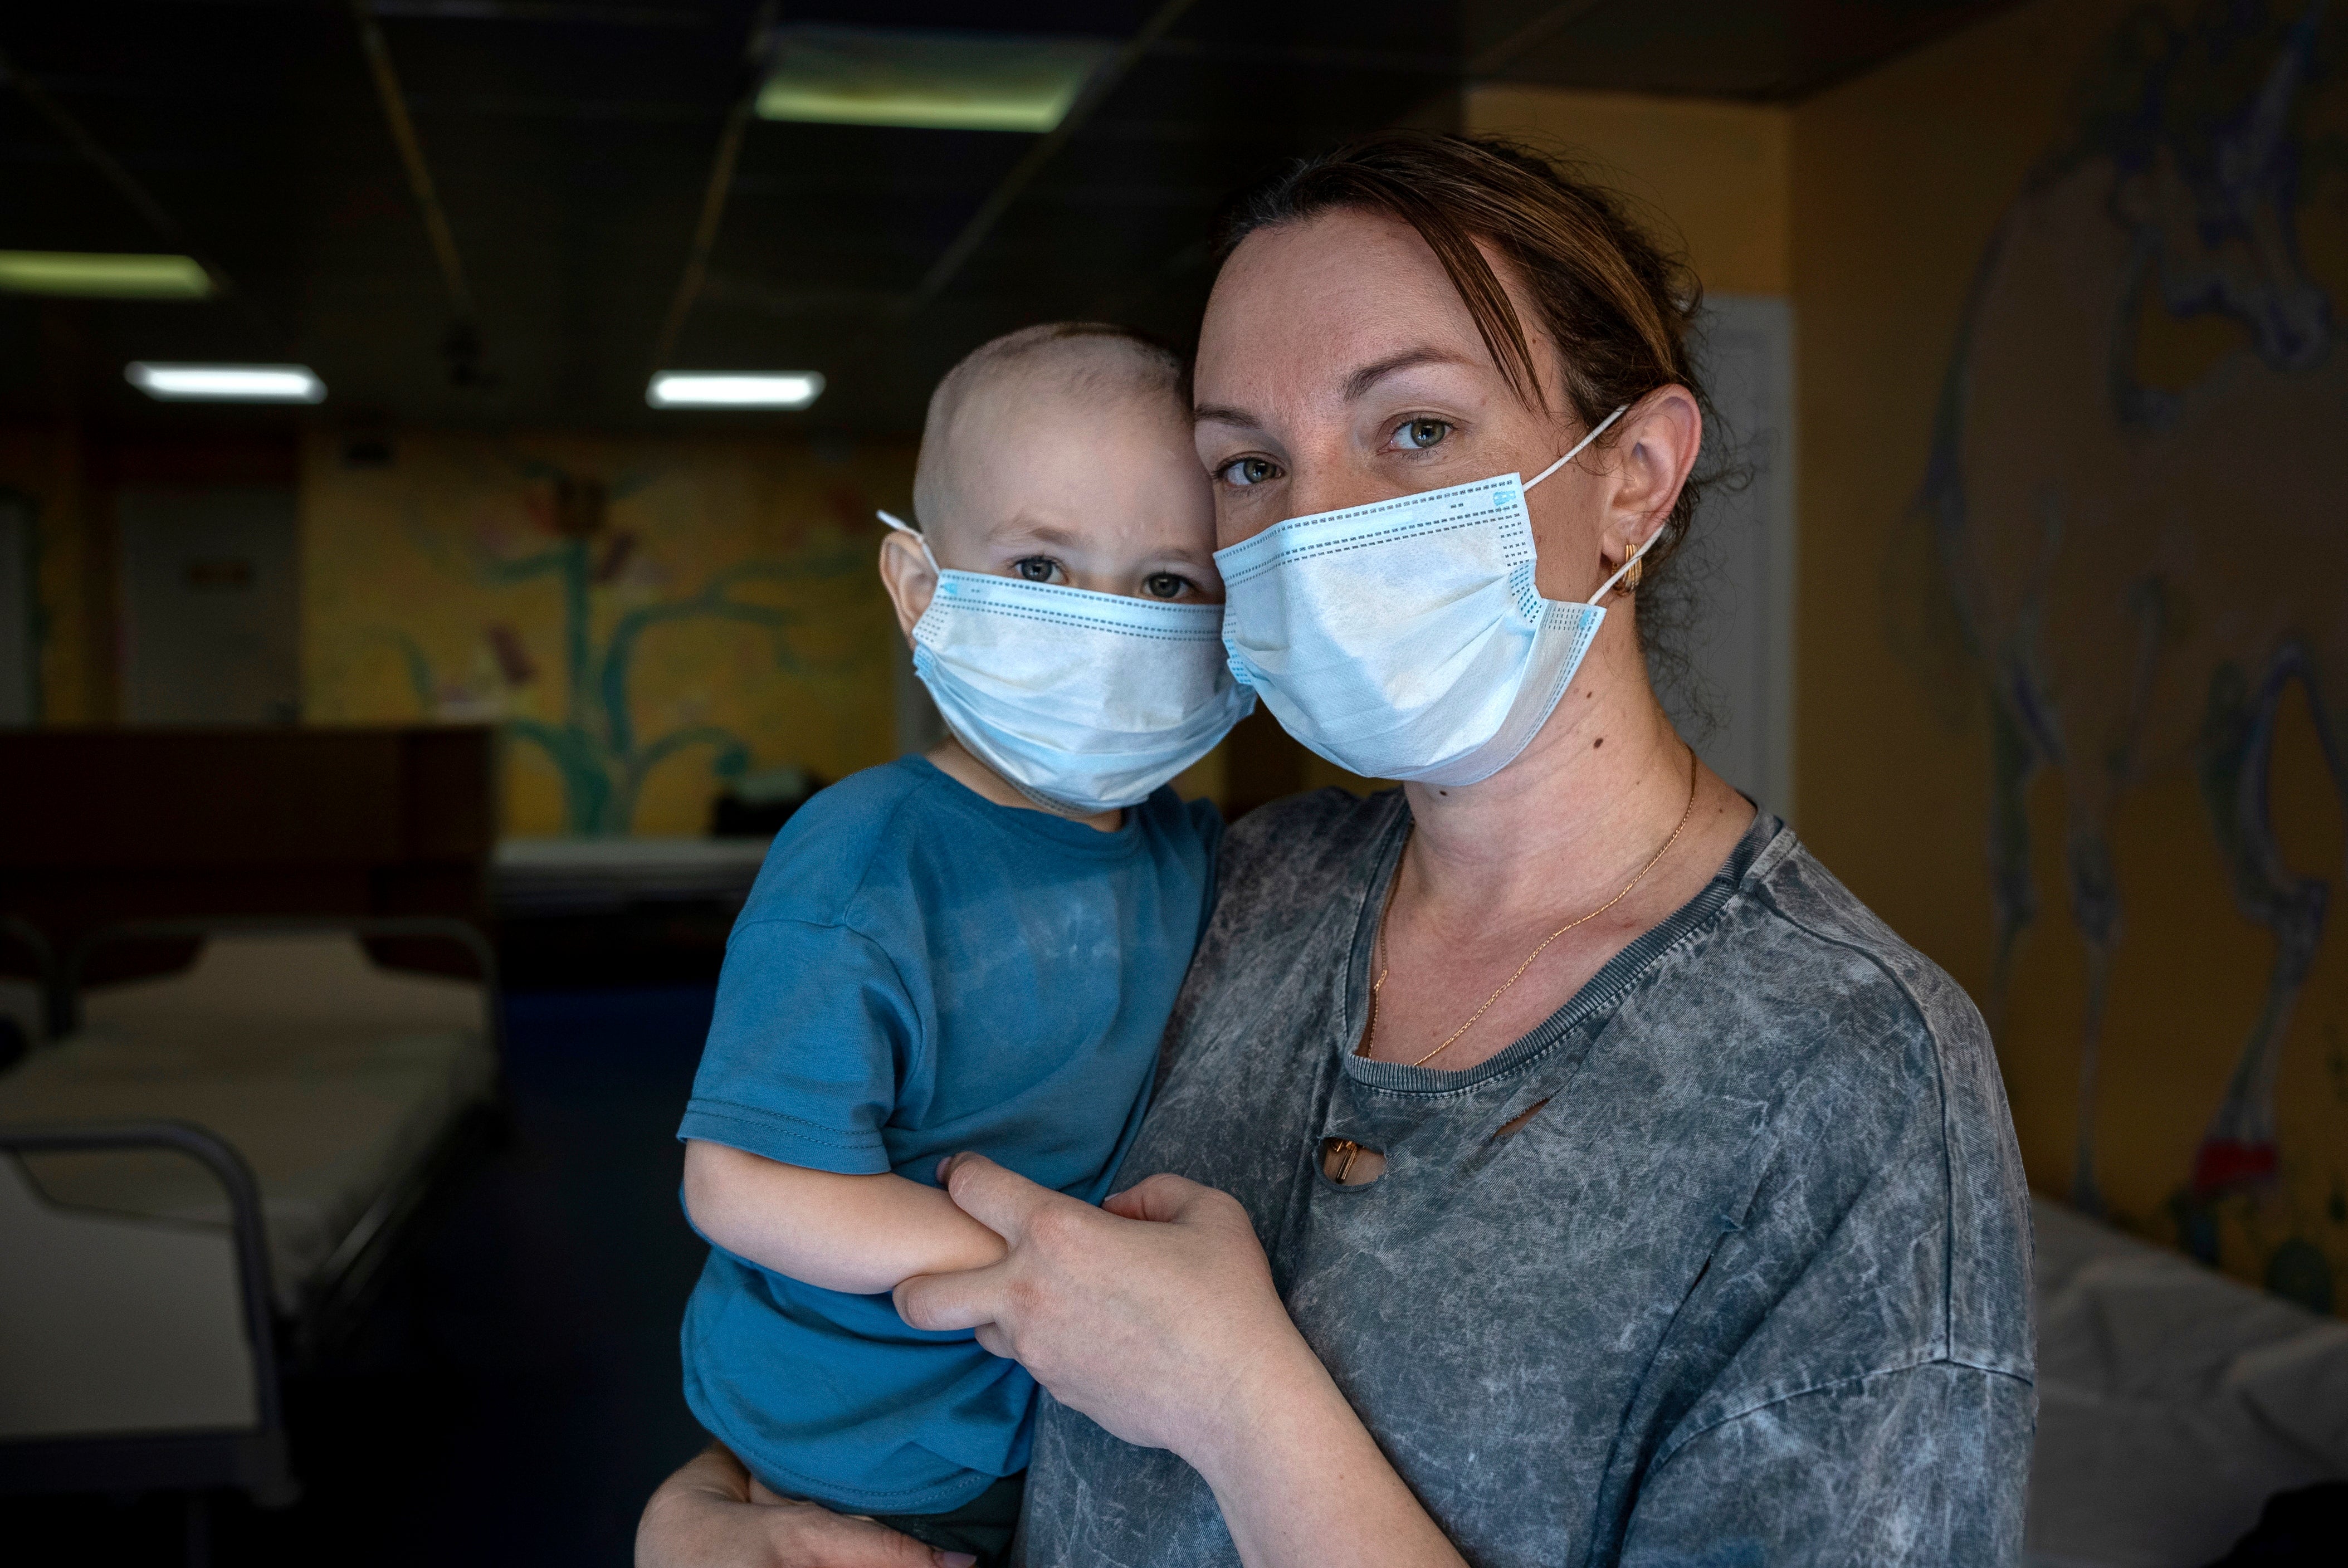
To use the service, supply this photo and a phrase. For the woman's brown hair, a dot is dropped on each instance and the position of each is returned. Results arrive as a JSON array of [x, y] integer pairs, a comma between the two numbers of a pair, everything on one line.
[[1618, 306]]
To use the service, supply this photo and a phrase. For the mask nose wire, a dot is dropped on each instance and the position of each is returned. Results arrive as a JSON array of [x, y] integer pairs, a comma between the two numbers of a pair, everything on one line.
[[901, 526]]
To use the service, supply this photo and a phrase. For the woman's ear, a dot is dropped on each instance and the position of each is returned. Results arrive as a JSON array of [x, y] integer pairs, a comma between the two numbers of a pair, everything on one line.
[[912, 581], [1652, 457]]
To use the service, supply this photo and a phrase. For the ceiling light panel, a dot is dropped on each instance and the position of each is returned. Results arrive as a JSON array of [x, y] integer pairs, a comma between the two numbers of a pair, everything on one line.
[[733, 389], [926, 80], [226, 383], [89, 274]]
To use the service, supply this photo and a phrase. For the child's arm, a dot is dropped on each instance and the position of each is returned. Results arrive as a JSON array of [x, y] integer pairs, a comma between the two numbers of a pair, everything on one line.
[[857, 1233]]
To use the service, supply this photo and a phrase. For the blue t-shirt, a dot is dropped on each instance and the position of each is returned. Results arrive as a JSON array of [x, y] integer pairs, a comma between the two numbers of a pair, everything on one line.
[[920, 971]]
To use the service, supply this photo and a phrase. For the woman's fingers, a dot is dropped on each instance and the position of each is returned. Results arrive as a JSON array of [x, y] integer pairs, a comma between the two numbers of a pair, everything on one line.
[[942, 1302], [714, 1513], [1160, 1198], [807, 1536], [1002, 1200]]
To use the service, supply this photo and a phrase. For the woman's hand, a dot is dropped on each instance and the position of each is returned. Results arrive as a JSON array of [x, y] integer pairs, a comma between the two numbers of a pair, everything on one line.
[[1155, 1315], [713, 1513], [1151, 1314]]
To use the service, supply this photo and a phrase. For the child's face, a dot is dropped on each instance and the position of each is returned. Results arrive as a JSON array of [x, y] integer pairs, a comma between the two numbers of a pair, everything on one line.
[[1106, 495]]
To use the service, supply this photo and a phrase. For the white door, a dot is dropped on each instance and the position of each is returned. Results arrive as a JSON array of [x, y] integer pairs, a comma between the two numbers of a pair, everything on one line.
[[1734, 701], [210, 613]]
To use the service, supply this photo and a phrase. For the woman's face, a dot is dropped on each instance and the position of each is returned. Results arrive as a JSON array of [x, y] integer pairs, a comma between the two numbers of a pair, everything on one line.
[[1338, 366]]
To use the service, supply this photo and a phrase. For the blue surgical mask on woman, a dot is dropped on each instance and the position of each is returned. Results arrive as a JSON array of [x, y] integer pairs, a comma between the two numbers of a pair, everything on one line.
[[1084, 702], [1405, 639]]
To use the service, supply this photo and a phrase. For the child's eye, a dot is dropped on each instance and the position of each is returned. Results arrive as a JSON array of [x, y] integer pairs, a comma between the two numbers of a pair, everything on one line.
[[1248, 472], [1037, 568], [1165, 584], [1418, 434]]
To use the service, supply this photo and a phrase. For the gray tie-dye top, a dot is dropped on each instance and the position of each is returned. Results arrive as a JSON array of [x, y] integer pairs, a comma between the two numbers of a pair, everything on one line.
[[1751, 1287]]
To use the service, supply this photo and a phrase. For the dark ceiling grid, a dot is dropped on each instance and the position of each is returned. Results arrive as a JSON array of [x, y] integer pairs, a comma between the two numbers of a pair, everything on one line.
[[716, 192], [462, 345], [86, 147], [571, 142], [1778, 52], [1098, 92]]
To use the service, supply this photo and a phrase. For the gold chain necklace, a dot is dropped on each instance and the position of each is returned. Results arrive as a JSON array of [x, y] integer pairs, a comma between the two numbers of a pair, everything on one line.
[[1371, 1036]]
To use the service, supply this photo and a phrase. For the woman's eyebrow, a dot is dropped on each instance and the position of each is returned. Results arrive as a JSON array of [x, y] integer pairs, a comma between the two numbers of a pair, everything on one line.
[[1357, 384], [1224, 414], [1370, 375]]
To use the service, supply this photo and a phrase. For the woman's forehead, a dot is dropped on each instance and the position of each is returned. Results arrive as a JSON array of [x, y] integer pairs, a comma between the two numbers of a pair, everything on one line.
[[1323, 300], [1324, 265]]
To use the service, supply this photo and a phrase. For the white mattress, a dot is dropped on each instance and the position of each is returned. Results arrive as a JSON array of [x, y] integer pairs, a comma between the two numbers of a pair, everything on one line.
[[333, 1078], [2172, 1402]]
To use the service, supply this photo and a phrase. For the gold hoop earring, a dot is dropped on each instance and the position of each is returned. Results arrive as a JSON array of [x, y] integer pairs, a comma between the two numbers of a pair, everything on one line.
[[1630, 578]]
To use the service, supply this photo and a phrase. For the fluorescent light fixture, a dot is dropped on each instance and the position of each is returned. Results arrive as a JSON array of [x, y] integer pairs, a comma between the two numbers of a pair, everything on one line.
[[226, 383], [92, 275], [733, 389], [926, 80]]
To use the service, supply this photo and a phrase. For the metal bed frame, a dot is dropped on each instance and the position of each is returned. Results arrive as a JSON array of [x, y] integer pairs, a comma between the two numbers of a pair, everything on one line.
[[334, 1300]]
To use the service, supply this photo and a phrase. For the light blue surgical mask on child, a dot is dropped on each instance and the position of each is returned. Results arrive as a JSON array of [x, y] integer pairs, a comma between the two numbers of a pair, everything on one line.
[[1405, 639], [1086, 702]]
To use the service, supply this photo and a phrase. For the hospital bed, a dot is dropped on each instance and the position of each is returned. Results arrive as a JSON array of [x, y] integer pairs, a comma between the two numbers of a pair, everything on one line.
[[2172, 1402], [201, 1179]]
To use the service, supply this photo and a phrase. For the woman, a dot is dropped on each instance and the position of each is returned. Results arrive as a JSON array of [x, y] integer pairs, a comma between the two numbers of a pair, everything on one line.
[[1551, 1162]]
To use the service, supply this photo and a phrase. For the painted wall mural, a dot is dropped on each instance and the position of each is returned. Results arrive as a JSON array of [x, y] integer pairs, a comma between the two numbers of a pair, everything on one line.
[[646, 621], [2135, 498]]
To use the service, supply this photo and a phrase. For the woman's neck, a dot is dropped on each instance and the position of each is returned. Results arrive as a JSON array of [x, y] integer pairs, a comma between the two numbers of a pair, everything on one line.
[[1580, 810]]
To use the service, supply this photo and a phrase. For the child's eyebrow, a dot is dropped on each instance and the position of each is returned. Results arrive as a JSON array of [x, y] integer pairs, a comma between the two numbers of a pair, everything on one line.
[[1021, 532], [1184, 553]]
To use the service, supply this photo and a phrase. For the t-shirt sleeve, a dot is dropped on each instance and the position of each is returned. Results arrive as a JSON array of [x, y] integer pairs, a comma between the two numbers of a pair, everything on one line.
[[1924, 1466], [812, 1033]]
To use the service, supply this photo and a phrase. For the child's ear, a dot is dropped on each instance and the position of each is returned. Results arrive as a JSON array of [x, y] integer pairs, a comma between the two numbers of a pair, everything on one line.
[[910, 578]]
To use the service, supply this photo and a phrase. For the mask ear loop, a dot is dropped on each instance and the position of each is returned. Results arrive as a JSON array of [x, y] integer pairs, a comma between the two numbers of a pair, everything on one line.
[[1596, 430], [901, 526], [1056, 808], [1628, 562]]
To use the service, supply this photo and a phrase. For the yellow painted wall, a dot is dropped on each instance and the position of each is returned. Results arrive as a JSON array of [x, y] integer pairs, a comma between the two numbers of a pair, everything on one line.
[[1874, 205], [1713, 174], [725, 616], [1900, 179]]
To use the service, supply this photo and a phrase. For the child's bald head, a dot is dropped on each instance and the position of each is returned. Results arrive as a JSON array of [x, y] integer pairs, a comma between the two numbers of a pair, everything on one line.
[[1084, 370], [1061, 454]]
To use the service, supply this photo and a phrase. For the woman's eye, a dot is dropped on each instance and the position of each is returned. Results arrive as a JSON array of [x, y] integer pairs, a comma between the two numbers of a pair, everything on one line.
[[1248, 472], [1164, 585], [1035, 568], [1417, 434]]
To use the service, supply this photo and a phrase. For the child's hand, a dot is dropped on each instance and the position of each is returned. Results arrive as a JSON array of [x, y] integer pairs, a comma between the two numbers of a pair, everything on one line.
[[1155, 1314], [714, 1513]]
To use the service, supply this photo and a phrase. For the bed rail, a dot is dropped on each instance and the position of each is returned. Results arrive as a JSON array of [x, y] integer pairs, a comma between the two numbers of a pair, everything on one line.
[[255, 1459]]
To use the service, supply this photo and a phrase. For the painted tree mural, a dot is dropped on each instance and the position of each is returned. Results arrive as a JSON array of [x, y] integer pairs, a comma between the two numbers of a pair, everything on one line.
[[572, 692], [2128, 603]]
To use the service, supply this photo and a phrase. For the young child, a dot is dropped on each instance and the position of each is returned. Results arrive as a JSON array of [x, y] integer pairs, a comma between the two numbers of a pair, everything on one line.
[[977, 949]]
